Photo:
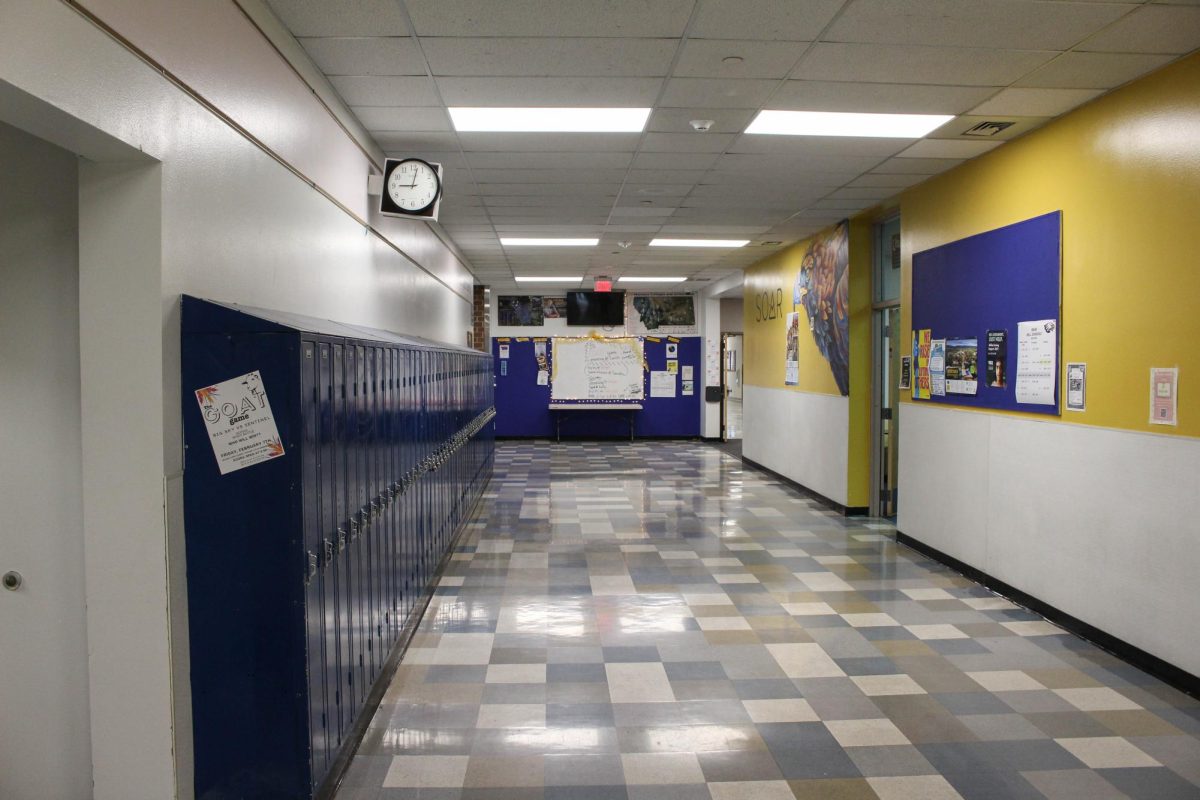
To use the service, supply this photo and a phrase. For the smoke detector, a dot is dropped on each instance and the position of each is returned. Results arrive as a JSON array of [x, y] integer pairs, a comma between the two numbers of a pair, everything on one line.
[[701, 125]]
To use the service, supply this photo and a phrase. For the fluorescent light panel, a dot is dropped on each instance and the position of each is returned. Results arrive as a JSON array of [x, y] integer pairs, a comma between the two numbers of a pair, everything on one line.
[[836, 123], [545, 279], [519, 241], [641, 279], [699, 242], [550, 120]]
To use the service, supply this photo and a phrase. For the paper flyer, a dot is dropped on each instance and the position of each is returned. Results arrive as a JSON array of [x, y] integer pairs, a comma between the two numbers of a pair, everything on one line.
[[1037, 361], [997, 359], [962, 366], [791, 375], [504, 351], [672, 350], [673, 367], [937, 367], [662, 384], [239, 421], [1076, 386], [689, 387], [1164, 395], [922, 340], [689, 372], [543, 378]]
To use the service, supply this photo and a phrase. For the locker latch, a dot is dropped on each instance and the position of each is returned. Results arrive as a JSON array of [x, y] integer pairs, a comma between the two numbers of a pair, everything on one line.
[[312, 568], [328, 552], [341, 539]]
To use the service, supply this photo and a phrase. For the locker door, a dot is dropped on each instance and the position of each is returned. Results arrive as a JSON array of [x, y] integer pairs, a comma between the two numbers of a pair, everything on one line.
[[346, 646], [330, 594], [374, 512], [354, 518], [411, 503], [388, 470], [310, 405]]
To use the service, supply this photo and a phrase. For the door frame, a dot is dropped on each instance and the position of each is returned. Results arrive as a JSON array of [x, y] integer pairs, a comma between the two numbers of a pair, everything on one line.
[[877, 355]]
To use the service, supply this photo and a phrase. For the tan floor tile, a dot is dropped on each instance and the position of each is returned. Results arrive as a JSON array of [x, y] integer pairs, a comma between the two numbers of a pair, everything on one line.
[[904, 647], [805, 661], [661, 768], [1010, 680], [866, 732], [751, 790], [1100, 698], [426, 772], [780, 710], [916, 787], [883, 685], [1108, 752], [485, 772], [1136, 723]]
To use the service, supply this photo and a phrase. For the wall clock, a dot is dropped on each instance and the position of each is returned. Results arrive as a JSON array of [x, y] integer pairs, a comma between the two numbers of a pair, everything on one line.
[[412, 187]]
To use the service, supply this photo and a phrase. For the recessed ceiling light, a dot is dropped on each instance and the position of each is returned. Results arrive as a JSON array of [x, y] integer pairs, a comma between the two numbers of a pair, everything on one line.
[[836, 123], [519, 241], [642, 279], [547, 279], [699, 242], [550, 120], [732, 60]]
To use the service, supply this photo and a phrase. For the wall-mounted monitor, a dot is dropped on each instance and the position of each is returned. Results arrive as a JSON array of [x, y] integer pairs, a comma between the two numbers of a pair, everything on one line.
[[595, 308]]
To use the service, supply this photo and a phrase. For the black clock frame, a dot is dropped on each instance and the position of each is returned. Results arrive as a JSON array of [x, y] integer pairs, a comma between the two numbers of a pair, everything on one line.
[[386, 206]]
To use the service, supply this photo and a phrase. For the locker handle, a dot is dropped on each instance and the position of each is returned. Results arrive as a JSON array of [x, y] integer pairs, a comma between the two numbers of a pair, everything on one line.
[[328, 552], [341, 539], [311, 572]]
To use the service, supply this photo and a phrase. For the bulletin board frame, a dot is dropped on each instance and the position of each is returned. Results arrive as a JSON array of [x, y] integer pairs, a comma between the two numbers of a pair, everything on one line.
[[987, 282]]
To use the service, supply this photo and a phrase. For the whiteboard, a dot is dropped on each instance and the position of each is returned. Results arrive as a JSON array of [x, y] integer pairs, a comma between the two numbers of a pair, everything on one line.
[[597, 369]]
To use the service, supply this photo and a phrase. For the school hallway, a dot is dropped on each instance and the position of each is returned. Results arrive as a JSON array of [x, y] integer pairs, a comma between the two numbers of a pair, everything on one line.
[[654, 621]]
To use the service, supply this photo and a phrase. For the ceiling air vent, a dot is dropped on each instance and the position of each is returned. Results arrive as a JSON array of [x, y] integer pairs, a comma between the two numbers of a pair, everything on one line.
[[987, 128]]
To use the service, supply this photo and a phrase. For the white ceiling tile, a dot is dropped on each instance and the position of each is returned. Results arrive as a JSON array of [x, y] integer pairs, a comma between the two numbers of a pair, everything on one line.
[[886, 181], [380, 90], [794, 20], [705, 58], [392, 118], [678, 120], [683, 161], [918, 64], [1035, 102], [916, 166], [1151, 29], [539, 57], [948, 148], [686, 142], [788, 165], [573, 91], [957, 127], [549, 201], [501, 160], [518, 176], [424, 141], [641, 211], [661, 18], [322, 18], [1016, 24], [716, 92], [366, 55], [819, 146], [1093, 70], [701, 230], [872, 194], [878, 98], [549, 189], [665, 175], [550, 142]]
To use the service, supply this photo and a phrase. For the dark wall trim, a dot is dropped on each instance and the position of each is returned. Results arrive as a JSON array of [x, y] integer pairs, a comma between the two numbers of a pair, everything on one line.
[[598, 438], [847, 511], [1165, 671]]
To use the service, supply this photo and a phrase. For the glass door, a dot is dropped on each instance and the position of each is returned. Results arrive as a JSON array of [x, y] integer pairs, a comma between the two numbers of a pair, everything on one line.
[[887, 343], [731, 355]]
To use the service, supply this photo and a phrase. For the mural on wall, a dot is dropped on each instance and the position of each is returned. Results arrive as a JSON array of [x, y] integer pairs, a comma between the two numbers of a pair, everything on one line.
[[520, 309], [823, 287], [661, 313]]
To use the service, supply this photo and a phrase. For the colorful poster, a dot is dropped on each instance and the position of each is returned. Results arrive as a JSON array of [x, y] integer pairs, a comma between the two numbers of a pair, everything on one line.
[[1164, 395], [1076, 386], [554, 307], [962, 366], [791, 374], [822, 286], [937, 367], [1037, 361], [905, 372], [239, 421], [504, 351], [672, 349], [660, 313], [689, 387], [673, 367], [923, 340], [520, 309], [997, 359]]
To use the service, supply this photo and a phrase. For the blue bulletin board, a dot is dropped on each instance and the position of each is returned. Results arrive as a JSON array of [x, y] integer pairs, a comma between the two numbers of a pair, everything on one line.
[[991, 282], [523, 407]]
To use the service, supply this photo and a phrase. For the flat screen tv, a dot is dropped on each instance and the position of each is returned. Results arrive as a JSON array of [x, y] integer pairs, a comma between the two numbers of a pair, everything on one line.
[[595, 308]]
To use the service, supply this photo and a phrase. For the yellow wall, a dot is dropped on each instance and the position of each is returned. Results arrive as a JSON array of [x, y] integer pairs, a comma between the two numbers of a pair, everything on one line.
[[767, 293], [1125, 170]]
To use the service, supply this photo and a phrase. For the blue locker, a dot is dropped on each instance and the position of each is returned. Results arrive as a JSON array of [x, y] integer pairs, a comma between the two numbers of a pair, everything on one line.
[[310, 400]]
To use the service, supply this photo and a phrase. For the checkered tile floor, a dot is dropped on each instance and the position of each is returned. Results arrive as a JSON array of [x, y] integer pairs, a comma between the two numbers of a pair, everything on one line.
[[651, 621]]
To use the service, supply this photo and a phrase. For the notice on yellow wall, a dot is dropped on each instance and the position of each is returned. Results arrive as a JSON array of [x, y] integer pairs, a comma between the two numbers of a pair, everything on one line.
[[924, 342]]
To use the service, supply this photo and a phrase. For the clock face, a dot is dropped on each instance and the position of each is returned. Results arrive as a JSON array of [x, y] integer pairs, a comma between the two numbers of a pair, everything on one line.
[[413, 185]]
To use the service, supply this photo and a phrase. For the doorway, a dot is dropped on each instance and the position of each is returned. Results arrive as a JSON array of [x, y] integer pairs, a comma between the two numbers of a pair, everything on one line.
[[886, 354], [731, 383]]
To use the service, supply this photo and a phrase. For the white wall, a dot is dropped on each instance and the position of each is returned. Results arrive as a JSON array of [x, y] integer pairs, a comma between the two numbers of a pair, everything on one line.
[[731, 314], [226, 211], [1099, 523], [45, 749], [800, 435]]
